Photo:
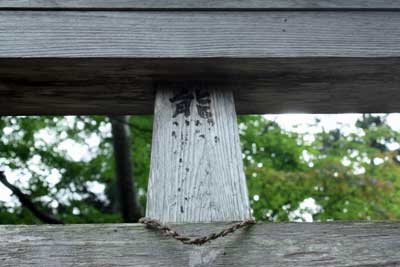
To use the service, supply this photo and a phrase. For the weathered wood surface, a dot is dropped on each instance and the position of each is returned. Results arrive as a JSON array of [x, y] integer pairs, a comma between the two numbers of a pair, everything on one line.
[[284, 244], [196, 170], [107, 62], [178, 34], [126, 86], [201, 4]]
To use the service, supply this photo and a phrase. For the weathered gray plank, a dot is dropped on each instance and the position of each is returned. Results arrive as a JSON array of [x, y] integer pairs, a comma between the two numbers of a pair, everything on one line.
[[196, 172], [285, 244], [272, 85], [70, 62], [199, 34], [201, 4]]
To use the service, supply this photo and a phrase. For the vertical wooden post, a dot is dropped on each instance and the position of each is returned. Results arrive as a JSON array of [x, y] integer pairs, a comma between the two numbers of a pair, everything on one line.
[[196, 163]]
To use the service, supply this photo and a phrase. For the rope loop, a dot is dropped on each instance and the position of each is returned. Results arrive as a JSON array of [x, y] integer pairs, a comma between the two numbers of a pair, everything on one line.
[[166, 230]]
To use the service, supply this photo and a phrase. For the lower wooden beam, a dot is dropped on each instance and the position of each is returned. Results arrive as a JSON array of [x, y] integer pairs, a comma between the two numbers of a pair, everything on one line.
[[60, 86], [274, 244]]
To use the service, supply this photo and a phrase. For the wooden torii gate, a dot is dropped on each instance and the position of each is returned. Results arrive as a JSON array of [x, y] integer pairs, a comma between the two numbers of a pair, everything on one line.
[[192, 59]]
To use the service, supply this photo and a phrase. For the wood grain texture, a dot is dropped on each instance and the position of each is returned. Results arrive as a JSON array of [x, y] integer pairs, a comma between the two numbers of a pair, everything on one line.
[[56, 86], [70, 62], [199, 34], [284, 244], [196, 170], [200, 4]]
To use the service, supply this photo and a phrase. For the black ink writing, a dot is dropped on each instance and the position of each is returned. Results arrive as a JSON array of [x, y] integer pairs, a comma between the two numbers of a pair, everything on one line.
[[203, 99], [182, 102]]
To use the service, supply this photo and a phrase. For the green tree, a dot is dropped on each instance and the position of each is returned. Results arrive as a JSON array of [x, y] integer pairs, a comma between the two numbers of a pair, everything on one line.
[[33, 148], [348, 176], [351, 177]]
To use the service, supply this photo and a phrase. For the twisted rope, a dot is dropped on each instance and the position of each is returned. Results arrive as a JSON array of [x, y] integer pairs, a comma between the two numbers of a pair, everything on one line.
[[166, 230]]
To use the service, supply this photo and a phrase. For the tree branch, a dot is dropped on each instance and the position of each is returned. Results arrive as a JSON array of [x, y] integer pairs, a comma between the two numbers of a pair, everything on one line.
[[27, 203]]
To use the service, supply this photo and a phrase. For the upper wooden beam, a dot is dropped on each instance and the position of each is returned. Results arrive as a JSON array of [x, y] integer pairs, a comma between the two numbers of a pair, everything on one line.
[[80, 60], [199, 34], [284, 244], [202, 4]]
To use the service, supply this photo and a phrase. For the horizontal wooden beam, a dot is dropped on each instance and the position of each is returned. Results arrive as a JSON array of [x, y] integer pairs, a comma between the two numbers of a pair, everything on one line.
[[126, 86], [202, 4], [108, 62], [202, 34], [284, 244]]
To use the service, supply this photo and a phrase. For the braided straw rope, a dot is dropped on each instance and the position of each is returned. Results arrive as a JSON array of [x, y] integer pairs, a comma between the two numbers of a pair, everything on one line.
[[166, 230]]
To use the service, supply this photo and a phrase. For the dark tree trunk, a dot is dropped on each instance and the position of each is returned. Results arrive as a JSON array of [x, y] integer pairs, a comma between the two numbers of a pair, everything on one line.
[[123, 165]]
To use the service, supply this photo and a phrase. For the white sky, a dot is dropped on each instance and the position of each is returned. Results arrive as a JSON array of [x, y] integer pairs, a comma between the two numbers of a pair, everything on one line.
[[301, 122]]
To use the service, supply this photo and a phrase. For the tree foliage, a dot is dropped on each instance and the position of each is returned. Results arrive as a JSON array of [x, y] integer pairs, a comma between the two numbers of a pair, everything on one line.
[[350, 177], [347, 176]]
